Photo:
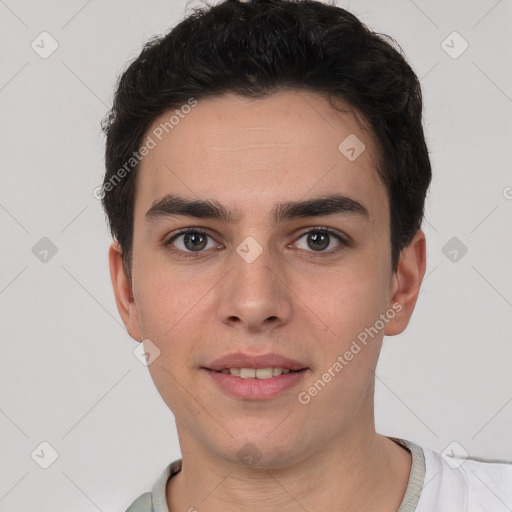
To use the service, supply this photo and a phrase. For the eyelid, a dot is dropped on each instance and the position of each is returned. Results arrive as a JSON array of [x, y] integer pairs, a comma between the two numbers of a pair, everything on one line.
[[184, 231], [339, 235], [168, 241], [343, 239]]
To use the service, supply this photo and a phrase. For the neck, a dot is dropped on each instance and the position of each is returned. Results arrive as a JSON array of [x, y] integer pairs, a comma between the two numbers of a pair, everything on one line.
[[364, 471]]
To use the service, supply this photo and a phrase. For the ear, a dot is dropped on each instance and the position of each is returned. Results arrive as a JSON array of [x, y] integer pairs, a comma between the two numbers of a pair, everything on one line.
[[406, 283], [123, 293]]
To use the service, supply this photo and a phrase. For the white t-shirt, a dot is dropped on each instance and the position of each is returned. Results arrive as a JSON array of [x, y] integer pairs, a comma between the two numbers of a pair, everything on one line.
[[437, 483]]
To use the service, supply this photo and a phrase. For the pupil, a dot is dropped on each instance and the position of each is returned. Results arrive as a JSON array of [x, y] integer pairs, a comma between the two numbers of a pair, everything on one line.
[[320, 240], [194, 238]]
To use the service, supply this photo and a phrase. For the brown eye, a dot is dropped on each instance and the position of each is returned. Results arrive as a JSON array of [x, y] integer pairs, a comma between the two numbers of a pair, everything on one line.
[[194, 241], [318, 240], [190, 241]]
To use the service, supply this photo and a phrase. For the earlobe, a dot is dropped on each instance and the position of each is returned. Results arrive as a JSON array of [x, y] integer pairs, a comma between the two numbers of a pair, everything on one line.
[[406, 283], [123, 293]]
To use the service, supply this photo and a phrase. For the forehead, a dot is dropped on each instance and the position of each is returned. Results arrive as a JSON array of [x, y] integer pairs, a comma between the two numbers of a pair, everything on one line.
[[250, 154]]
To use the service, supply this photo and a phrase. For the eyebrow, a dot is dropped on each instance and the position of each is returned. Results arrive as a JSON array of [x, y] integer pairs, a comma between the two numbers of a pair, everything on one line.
[[172, 205]]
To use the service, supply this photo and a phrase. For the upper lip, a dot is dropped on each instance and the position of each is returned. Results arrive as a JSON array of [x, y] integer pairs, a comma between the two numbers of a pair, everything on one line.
[[241, 360]]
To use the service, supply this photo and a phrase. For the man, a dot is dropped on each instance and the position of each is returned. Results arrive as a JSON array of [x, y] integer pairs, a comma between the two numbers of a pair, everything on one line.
[[265, 186]]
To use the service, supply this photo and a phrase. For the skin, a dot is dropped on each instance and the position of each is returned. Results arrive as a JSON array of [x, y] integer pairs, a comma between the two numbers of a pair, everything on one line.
[[249, 154]]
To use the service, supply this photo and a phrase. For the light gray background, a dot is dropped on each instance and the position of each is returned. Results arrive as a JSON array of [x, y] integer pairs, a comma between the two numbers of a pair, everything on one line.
[[68, 375]]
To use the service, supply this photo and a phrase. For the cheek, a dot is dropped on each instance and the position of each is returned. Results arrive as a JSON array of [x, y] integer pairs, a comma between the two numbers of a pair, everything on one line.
[[170, 313], [172, 307], [160, 289], [162, 304], [348, 300]]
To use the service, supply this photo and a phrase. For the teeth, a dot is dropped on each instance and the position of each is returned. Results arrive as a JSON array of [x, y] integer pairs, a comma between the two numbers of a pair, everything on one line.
[[264, 373], [251, 373], [247, 373]]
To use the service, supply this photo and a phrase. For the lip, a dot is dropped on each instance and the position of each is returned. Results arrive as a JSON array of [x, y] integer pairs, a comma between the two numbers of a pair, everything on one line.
[[241, 360], [256, 389]]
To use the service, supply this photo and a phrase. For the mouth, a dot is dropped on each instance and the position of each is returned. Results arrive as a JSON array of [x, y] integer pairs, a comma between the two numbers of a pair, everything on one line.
[[256, 373], [247, 362], [255, 376], [255, 384]]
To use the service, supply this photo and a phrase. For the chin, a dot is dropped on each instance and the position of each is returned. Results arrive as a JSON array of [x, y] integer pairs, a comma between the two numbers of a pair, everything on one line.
[[259, 453]]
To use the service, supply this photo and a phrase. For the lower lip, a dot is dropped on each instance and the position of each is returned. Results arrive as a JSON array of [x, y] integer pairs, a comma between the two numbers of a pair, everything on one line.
[[256, 389]]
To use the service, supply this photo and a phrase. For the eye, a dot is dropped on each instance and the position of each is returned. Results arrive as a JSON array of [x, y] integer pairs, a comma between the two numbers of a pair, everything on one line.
[[189, 241], [319, 239]]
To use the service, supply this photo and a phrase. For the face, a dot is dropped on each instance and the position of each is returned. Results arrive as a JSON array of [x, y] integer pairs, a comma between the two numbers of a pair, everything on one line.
[[303, 284]]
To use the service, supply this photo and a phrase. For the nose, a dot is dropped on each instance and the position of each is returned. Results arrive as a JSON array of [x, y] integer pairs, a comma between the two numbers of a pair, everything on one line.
[[256, 294]]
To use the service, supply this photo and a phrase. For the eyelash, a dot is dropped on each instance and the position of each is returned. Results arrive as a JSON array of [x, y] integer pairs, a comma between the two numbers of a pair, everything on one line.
[[192, 254]]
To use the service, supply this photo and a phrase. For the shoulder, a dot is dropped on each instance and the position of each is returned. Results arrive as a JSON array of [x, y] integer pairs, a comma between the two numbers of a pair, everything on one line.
[[470, 484], [489, 483], [155, 500], [141, 504]]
